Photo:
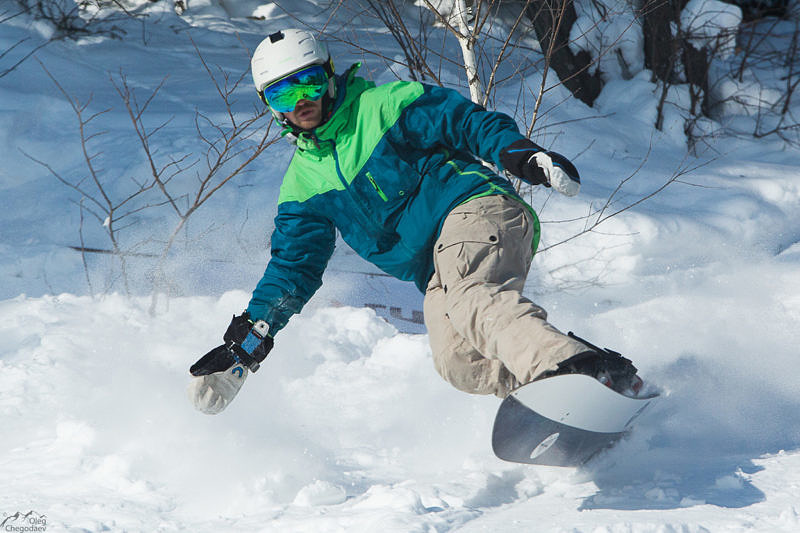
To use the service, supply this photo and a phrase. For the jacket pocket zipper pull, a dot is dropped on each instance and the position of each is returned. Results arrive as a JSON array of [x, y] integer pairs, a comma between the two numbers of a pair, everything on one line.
[[377, 188]]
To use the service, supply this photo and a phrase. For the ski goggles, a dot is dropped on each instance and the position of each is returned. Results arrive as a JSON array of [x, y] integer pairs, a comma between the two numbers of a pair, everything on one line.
[[309, 83]]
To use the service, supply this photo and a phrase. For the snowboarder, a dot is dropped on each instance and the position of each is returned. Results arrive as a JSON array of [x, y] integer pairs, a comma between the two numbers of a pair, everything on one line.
[[395, 168]]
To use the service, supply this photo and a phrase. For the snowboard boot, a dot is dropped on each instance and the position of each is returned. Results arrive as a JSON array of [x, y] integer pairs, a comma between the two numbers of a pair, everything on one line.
[[607, 366]]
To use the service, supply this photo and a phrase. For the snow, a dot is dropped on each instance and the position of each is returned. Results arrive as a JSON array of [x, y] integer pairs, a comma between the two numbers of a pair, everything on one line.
[[347, 426], [712, 24], [607, 29]]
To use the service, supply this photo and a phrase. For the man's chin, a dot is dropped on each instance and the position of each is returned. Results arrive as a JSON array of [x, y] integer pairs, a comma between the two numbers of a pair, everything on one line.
[[308, 122]]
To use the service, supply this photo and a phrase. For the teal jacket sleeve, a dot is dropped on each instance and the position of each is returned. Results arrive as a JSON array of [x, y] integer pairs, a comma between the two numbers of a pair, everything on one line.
[[302, 244], [442, 116]]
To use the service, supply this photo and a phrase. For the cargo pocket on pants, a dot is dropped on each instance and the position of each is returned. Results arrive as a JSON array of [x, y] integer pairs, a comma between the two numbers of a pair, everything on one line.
[[461, 250]]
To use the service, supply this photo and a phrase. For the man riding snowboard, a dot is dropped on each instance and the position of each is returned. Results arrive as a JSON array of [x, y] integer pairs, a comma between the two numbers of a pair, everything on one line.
[[395, 168]]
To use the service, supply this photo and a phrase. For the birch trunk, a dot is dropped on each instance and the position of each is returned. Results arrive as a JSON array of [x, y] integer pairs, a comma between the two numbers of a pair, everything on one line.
[[467, 41]]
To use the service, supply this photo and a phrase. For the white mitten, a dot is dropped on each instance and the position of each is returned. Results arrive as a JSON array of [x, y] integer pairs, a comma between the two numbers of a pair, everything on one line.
[[212, 393], [560, 173]]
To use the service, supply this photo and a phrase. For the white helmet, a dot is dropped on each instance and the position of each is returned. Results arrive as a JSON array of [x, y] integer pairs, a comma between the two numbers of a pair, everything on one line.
[[287, 51]]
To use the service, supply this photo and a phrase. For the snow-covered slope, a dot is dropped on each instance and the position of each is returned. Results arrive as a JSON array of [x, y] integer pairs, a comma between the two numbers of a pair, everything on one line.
[[347, 426]]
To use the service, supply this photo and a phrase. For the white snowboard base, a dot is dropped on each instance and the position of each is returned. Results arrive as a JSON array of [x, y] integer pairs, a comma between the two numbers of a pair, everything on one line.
[[562, 420]]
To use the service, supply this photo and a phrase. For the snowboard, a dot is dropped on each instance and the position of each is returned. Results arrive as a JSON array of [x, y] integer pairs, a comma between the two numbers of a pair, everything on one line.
[[562, 420]]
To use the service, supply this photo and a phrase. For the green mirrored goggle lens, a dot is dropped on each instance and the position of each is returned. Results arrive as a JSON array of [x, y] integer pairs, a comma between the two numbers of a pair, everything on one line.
[[307, 84]]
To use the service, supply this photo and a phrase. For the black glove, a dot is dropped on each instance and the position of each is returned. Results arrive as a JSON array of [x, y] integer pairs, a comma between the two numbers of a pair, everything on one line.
[[537, 166], [246, 343]]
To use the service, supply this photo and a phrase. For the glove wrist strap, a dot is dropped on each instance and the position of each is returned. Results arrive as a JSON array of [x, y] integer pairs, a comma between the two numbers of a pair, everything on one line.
[[247, 352]]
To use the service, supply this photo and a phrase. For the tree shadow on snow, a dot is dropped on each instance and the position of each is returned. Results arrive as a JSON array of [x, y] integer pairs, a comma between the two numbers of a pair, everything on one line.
[[698, 443]]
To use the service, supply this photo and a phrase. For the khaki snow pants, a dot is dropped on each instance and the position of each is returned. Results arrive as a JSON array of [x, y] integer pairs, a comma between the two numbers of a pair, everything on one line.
[[485, 336]]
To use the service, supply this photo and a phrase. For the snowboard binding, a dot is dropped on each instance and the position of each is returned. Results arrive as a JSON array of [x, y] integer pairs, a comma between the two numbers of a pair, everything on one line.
[[607, 366]]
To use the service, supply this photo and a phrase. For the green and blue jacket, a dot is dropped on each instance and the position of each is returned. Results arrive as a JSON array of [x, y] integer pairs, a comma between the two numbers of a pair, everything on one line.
[[385, 170]]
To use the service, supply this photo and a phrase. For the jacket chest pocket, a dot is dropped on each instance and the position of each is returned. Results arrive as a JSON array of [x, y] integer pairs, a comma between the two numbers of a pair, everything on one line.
[[392, 187], [377, 187]]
